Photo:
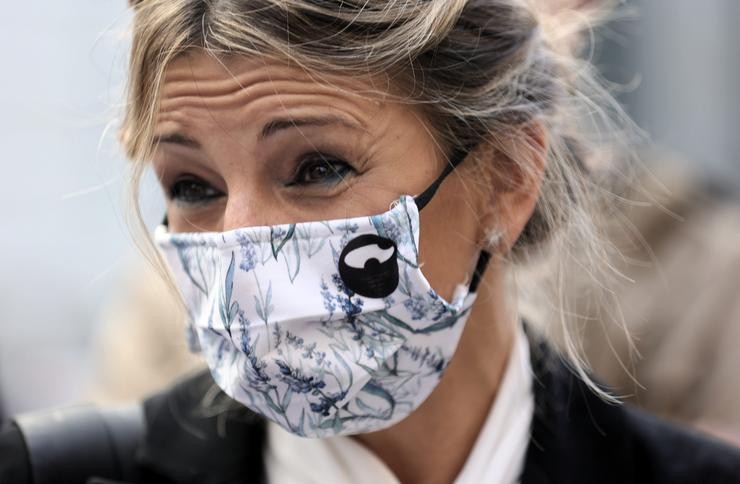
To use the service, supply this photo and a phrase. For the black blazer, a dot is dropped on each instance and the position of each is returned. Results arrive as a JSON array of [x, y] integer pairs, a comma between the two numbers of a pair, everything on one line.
[[576, 438]]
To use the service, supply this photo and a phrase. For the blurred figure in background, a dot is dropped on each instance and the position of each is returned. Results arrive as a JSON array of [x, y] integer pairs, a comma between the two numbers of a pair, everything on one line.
[[683, 308], [142, 346]]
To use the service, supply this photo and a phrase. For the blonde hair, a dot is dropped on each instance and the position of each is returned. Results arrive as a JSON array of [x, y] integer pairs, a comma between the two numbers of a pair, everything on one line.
[[477, 68]]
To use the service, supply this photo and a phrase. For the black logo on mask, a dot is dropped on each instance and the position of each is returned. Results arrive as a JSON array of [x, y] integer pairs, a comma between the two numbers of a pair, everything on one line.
[[369, 267]]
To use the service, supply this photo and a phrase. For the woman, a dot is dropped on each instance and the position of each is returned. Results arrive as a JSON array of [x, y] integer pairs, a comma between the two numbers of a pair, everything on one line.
[[351, 186]]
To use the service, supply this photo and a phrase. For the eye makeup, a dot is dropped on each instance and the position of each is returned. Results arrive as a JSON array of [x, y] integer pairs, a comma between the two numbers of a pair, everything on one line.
[[192, 190], [318, 168]]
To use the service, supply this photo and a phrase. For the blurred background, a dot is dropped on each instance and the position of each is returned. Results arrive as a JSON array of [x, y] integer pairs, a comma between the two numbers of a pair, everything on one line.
[[64, 244], [70, 271]]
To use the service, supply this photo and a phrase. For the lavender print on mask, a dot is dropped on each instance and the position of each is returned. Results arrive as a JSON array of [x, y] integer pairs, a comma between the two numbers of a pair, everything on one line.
[[326, 328]]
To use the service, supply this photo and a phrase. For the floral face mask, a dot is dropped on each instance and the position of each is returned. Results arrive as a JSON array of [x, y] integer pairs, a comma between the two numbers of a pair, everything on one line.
[[326, 328]]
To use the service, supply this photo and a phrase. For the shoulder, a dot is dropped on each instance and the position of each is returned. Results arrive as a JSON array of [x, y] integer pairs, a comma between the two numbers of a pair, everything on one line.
[[194, 428], [578, 437], [679, 454]]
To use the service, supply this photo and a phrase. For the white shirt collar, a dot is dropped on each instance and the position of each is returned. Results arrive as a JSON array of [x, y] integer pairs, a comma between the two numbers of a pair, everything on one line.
[[497, 456]]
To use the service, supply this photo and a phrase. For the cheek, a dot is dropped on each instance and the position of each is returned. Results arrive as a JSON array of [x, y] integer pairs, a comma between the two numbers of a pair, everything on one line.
[[448, 235], [208, 218]]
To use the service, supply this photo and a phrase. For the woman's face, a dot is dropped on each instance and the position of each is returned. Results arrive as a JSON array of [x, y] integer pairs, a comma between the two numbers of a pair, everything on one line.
[[247, 142]]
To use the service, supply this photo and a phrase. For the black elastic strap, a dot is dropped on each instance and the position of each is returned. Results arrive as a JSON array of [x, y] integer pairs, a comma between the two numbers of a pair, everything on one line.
[[480, 267], [458, 155]]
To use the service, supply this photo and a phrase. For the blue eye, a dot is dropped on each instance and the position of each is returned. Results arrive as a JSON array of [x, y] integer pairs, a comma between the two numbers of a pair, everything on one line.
[[192, 190], [321, 169]]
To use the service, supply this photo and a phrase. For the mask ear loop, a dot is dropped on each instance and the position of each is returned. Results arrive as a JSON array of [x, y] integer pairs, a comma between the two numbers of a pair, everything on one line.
[[458, 155], [480, 268]]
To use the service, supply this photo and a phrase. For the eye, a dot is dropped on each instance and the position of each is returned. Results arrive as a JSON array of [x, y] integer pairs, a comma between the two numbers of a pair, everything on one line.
[[192, 190], [321, 169]]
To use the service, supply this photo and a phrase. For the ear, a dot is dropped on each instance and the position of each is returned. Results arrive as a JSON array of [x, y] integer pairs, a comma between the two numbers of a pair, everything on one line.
[[516, 164]]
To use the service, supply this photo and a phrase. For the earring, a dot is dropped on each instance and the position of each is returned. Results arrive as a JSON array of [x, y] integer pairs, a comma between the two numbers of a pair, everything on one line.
[[493, 239]]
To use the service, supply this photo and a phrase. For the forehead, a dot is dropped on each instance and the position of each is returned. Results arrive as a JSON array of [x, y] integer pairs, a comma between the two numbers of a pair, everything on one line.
[[198, 86], [200, 65]]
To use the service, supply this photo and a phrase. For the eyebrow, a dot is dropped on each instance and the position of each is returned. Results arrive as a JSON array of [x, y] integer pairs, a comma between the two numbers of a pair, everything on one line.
[[276, 125], [176, 139], [269, 129]]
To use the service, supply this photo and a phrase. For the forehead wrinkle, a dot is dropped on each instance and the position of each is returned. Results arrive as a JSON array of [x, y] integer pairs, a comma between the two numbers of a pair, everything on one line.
[[298, 106], [244, 97], [210, 76], [190, 89], [229, 81], [188, 110], [198, 123]]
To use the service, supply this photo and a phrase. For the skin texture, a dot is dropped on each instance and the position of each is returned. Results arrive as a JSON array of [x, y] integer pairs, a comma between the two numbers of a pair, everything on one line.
[[210, 129]]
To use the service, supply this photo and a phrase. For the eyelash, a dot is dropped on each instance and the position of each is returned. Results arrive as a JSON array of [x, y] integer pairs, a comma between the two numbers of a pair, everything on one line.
[[178, 194], [338, 170]]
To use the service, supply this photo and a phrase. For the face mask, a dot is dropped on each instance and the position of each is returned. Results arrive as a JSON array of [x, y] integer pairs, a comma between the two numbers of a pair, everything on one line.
[[326, 328]]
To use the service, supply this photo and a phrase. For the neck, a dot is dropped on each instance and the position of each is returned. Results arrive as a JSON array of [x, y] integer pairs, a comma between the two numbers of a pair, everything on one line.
[[432, 444]]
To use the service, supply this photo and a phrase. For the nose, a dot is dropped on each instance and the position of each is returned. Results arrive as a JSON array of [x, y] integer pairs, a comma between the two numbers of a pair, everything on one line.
[[248, 206], [251, 202]]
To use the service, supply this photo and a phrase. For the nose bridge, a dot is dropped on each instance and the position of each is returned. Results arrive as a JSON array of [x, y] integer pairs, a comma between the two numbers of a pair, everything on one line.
[[249, 195], [248, 205]]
